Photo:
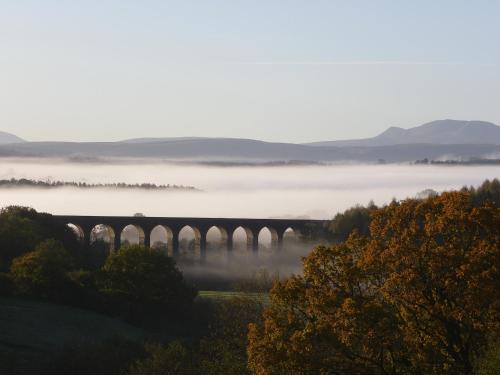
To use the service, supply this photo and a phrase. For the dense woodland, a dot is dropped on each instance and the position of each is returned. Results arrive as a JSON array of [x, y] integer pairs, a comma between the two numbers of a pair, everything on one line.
[[409, 288]]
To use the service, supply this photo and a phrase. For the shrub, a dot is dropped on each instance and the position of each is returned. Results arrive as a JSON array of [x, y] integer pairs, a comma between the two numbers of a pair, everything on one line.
[[42, 273], [141, 279], [171, 359], [22, 229]]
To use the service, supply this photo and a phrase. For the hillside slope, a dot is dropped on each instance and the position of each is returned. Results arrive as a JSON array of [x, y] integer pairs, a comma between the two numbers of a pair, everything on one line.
[[31, 331]]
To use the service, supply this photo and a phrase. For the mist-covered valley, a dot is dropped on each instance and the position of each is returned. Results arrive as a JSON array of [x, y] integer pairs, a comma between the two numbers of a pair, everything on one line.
[[317, 192]]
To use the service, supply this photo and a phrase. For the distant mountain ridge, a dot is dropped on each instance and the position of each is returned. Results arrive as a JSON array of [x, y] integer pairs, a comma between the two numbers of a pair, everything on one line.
[[238, 150], [443, 132], [162, 139], [438, 140], [6, 138]]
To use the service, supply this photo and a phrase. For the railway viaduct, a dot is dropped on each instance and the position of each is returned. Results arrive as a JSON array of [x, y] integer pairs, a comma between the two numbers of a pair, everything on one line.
[[114, 226]]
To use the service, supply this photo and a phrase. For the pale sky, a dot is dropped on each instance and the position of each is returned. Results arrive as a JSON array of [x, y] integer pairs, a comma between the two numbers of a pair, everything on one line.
[[277, 70]]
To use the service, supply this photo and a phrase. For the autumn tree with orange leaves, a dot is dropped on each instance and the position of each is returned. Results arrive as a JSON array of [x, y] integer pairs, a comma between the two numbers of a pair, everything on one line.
[[419, 295]]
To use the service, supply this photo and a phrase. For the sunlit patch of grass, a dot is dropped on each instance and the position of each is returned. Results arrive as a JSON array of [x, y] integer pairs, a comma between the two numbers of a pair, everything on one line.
[[224, 295]]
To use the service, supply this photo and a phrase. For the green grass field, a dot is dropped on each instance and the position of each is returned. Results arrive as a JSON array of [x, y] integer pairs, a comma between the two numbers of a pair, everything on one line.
[[31, 331], [218, 295]]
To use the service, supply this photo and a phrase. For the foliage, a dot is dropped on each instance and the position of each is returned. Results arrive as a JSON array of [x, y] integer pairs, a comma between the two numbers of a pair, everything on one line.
[[341, 226], [223, 350], [329, 321], [144, 278], [441, 269], [171, 359], [42, 273], [489, 191], [355, 218], [22, 229], [313, 232], [420, 295], [489, 363]]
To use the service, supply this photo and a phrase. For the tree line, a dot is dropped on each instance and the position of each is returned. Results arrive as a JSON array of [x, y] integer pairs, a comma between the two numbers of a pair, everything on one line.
[[23, 182], [471, 161]]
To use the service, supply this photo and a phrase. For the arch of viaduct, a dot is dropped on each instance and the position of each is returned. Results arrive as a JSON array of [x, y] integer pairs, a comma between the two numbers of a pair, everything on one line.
[[173, 225]]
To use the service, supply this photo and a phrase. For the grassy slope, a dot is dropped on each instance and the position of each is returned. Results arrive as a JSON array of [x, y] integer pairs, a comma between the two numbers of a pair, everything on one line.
[[31, 330]]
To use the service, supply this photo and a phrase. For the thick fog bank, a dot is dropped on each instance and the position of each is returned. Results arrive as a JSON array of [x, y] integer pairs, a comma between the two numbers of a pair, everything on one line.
[[279, 191]]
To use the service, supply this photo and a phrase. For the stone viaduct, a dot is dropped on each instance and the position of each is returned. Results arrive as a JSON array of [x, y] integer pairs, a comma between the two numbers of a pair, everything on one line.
[[114, 225]]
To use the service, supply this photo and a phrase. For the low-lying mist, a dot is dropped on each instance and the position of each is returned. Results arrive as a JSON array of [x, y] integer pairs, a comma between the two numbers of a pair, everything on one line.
[[241, 268], [237, 269], [273, 191]]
